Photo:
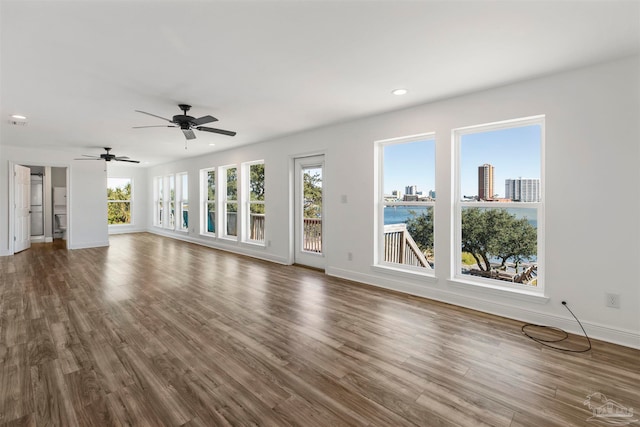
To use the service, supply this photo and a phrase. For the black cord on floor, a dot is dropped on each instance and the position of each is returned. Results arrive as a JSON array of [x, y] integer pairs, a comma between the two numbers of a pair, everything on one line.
[[546, 342]]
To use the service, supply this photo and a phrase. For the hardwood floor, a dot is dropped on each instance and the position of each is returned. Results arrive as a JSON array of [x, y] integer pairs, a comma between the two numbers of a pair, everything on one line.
[[153, 331]]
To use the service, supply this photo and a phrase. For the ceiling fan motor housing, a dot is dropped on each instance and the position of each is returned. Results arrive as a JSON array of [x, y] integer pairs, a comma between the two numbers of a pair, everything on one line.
[[183, 121]]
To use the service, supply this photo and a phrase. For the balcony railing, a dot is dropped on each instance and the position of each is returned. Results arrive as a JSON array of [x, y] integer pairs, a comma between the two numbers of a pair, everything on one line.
[[400, 248], [312, 235], [256, 227]]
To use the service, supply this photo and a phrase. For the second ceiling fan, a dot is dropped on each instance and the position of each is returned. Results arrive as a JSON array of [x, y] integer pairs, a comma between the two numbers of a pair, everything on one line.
[[187, 123]]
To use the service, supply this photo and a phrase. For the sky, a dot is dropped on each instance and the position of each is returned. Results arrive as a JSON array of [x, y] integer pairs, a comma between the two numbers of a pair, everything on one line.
[[117, 182], [513, 152]]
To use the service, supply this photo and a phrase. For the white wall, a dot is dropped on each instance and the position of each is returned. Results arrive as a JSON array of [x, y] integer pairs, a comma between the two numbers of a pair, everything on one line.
[[140, 201], [86, 191], [592, 205]]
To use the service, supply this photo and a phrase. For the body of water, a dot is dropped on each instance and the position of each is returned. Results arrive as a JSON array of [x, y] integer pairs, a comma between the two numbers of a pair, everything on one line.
[[401, 214]]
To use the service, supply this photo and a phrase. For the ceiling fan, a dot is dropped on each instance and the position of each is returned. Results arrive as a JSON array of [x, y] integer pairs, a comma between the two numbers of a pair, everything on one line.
[[107, 157], [187, 123]]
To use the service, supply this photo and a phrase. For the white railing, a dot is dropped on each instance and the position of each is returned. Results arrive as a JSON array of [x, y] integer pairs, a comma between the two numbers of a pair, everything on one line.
[[400, 248]]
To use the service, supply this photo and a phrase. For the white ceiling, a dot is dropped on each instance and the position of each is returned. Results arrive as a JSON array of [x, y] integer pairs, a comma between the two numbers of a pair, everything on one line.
[[79, 69]]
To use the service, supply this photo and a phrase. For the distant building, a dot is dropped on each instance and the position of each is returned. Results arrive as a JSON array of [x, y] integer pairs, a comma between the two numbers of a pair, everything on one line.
[[397, 194], [522, 189], [410, 198], [432, 194], [411, 190], [485, 182]]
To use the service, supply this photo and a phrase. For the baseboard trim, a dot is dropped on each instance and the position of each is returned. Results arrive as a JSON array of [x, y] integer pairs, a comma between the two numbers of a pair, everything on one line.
[[125, 230], [87, 245], [234, 247], [606, 333]]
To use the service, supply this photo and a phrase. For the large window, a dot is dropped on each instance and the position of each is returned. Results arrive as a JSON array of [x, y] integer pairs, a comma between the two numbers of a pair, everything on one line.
[[119, 200], [255, 201], [183, 201], [165, 202], [499, 199], [170, 181], [230, 201], [406, 202], [158, 204], [208, 197]]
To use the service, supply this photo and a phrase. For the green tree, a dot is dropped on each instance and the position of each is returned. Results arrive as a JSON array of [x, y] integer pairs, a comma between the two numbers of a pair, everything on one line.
[[256, 184], [312, 195], [518, 242], [496, 233], [119, 205], [420, 227], [232, 189]]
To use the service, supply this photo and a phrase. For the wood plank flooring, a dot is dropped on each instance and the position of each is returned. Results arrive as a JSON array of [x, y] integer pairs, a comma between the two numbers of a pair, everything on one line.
[[153, 331]]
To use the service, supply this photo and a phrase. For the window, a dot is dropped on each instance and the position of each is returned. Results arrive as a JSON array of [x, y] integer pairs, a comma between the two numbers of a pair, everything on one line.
[[183, 201], [499, 200], [255, 201], [406, 202], [230, 201], [165, 202], [119, 201], [208, 180], [170, 182], [159, 201]]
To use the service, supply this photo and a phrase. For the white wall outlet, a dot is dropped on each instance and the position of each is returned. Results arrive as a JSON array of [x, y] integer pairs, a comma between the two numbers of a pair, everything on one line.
[[613, 300], [350, 256], [343, 198]]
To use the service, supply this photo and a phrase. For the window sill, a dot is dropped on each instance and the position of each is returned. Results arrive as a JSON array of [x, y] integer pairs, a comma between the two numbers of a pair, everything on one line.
[[428, 276], [255, 243], [534, 296]]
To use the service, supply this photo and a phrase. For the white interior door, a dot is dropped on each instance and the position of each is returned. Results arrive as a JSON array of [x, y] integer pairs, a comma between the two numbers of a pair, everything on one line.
[[309, 212], [22, 200]]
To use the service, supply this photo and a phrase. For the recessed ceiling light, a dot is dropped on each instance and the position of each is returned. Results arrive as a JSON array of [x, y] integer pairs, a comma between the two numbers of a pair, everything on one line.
[[18, 116], [211, 145], [399, 91]]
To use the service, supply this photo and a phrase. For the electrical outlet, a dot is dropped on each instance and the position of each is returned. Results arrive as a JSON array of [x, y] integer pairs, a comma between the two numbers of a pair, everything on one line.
[[350, 256], [613, 300]]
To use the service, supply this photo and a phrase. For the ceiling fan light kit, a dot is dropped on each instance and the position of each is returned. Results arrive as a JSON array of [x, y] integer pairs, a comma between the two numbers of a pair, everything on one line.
[[188, 123]]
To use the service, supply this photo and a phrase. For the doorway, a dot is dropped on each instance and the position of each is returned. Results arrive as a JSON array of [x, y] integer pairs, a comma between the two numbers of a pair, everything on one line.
[[22, 212], [32, 194], [309, 212]]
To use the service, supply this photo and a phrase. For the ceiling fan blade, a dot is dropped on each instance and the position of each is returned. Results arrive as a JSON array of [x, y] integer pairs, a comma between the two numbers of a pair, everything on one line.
[[188, 133], [204, 119], [214, 130], [153, 115], [87, 155], [120, 159], [155, 126], [89, 158]]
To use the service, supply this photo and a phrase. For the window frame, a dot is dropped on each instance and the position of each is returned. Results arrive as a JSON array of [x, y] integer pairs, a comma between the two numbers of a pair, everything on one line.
[[158, 202], [247, 203], [205, 201], [224, 200], [379, 245], [181, 179], [130, 201], [456, 264], [170, 202]]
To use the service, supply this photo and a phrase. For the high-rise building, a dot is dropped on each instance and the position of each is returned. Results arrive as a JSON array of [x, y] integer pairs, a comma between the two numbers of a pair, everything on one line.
[[522, 189], [485, 182], [411, 190]]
